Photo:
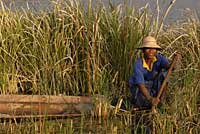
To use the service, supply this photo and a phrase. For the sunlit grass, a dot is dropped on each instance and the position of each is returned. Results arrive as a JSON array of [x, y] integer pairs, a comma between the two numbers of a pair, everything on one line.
[[90, 50]]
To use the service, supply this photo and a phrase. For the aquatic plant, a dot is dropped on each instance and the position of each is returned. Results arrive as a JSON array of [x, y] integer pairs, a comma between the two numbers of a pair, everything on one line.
[[90, 49]]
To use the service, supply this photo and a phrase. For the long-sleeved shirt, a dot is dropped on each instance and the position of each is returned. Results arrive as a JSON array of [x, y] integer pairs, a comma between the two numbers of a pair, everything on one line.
[[142, 73]]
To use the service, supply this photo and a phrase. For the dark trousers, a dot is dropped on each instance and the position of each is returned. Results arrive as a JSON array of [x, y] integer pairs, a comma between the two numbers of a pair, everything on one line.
[[153, 86]]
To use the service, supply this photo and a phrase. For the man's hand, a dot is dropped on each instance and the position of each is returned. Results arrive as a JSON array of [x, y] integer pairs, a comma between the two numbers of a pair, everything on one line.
[[178, 63], [155, 101], [178, 56]]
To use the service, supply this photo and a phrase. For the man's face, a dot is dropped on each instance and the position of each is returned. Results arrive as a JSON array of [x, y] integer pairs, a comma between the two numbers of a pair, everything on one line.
[[150, 52]]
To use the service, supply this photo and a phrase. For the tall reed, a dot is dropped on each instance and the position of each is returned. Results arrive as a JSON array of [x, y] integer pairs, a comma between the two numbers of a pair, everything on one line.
[[76, 49], [71, 50]]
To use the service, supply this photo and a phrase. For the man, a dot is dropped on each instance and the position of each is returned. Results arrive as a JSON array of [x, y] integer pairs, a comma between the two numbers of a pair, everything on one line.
[[148, 74]]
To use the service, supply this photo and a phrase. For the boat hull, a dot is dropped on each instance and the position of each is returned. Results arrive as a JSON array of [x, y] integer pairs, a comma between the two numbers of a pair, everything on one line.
[[17, 105]]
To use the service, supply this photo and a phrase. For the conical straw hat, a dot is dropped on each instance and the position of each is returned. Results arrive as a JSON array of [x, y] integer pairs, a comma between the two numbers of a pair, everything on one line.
[[149, 42]]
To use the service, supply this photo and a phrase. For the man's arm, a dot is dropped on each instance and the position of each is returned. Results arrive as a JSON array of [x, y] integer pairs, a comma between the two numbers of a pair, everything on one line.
[[145, 92]]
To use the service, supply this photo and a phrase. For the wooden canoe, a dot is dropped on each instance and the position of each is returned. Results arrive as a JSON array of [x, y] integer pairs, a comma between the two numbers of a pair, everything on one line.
[[44, 105], [27, 106]]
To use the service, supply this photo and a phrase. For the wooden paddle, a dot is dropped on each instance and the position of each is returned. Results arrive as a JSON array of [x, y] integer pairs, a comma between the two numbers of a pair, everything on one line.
[[165, 80]]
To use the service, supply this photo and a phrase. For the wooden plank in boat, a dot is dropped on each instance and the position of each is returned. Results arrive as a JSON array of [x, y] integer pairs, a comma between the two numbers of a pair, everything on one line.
[[17, 105], [44, 99]]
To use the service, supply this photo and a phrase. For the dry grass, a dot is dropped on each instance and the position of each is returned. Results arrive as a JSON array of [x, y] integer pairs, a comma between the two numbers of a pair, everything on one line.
[[73, 50]]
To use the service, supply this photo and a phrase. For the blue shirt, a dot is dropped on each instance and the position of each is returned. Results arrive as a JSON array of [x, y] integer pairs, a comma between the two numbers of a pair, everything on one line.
[[141, 74]]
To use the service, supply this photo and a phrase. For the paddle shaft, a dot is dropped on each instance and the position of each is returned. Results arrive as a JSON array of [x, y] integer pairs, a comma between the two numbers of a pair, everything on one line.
[[166, 78]]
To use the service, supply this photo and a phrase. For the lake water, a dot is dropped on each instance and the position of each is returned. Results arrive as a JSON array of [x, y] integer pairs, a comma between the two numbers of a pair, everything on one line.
[[42, 4], [178, 10]]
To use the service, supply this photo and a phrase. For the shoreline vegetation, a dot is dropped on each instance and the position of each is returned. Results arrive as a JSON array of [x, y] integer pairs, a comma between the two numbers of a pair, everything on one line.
[[86, 50]]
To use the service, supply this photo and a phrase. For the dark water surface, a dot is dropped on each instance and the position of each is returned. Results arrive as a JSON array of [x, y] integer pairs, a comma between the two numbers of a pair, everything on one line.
[[181, 9], [179, 6], [45, 3]]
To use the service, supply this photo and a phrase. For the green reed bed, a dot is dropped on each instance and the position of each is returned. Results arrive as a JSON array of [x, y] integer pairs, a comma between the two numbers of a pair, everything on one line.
[[89, 49]]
